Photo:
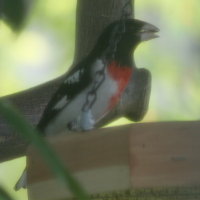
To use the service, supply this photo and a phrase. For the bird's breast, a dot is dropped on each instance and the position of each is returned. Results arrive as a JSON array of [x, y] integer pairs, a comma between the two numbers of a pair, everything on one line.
[[121, 75], [109, 93], [107, 96]]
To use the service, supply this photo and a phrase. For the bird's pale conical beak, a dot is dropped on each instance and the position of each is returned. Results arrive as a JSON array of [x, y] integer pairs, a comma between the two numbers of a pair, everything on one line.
[[148, 32]]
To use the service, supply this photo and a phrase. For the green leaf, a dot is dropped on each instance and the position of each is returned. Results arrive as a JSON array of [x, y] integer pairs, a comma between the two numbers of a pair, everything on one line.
[[17, 121], [4, 195], [14, 12]]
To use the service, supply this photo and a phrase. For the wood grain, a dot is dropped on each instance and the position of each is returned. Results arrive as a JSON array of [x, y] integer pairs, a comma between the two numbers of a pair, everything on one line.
[[162, 157], [166, 154]]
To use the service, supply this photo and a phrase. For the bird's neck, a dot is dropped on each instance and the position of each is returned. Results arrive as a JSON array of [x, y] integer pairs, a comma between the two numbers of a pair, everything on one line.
[[124, 55]]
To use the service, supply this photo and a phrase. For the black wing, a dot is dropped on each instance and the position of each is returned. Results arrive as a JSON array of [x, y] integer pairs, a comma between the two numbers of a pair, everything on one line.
[[75, 82]]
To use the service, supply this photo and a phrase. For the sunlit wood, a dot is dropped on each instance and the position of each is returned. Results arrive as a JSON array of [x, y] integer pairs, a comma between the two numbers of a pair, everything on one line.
[[141, 157]]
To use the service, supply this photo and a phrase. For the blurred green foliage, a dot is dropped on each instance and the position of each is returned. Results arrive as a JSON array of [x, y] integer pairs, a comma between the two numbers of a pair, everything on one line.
[[4, 195], [173, 58], [14, 12], [45, 47], [42, 50]]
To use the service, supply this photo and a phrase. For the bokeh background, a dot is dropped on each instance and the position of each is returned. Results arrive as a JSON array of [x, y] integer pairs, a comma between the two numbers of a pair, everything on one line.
[[44, 49]]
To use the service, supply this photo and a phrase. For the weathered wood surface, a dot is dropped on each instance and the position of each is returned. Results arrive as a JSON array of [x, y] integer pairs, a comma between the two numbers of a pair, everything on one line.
[[152, 160], [92, 17]]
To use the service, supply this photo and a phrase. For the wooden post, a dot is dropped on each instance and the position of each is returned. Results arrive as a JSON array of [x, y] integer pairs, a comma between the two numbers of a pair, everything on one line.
[[143, 161], [92, 17]]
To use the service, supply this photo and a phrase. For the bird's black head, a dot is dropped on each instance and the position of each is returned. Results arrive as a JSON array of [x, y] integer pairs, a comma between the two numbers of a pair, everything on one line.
[[132, 33]]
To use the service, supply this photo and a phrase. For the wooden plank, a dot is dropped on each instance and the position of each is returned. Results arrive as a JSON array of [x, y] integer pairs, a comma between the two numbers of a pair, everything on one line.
[[165, 154], [160, 157], [168, 193]]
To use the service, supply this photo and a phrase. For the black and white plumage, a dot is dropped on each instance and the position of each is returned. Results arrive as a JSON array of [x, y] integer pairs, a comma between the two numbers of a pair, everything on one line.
[[65, 110]]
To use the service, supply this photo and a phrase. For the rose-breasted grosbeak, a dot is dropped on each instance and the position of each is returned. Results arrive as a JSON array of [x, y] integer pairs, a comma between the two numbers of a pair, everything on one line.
[[65, 111]]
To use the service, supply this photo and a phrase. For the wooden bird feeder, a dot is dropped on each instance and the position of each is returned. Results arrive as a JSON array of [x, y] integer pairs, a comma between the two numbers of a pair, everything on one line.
[[147, 161]]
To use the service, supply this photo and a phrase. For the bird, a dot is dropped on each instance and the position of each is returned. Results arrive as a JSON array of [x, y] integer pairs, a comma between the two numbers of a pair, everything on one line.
[[93, 88]]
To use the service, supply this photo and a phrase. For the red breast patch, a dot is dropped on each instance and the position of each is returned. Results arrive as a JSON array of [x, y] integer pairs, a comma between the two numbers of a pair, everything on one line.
[[122, 75]]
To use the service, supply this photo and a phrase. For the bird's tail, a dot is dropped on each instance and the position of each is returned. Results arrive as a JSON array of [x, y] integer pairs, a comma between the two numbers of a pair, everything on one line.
[[22, 182]]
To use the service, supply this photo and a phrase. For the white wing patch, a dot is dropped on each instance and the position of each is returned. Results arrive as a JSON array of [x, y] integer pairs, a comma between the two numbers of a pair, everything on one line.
[[83, 122], [61, 103], [74, 78], [98, 65]]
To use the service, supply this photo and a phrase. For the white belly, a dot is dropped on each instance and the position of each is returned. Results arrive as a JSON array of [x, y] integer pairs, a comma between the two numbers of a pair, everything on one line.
[[73, 111]]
